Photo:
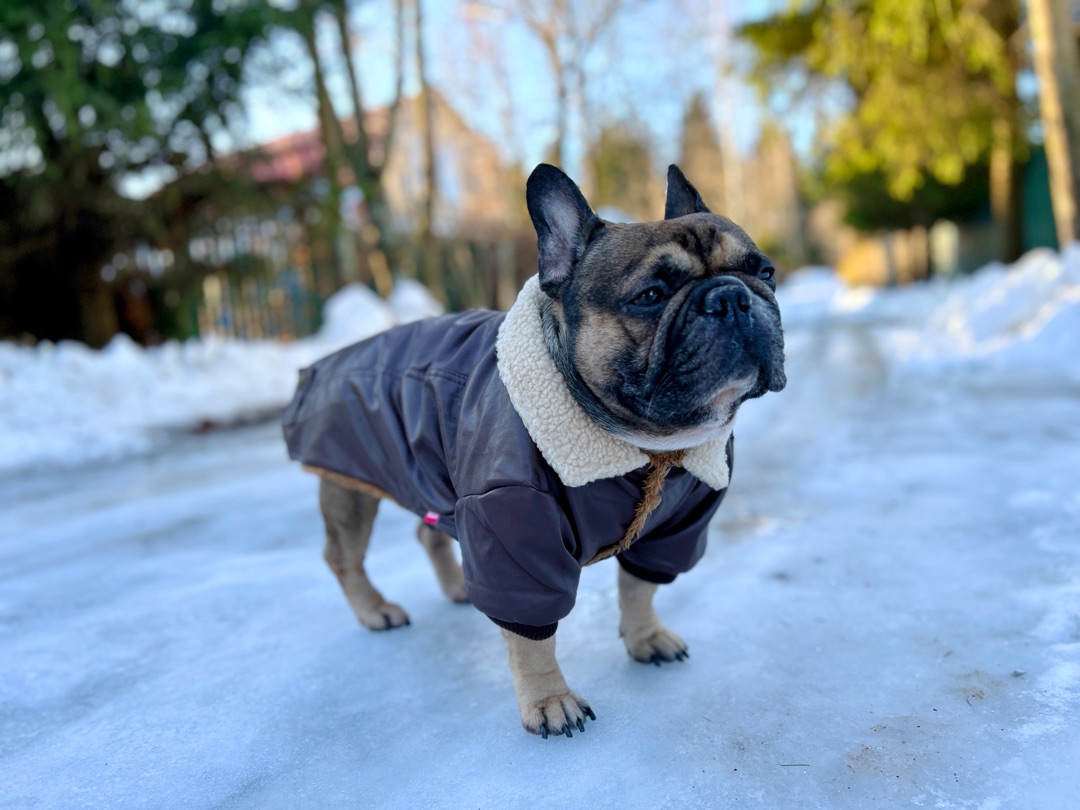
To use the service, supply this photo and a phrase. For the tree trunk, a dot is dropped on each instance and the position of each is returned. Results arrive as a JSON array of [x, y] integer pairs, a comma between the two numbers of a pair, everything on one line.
[[1006, 171], [378, 234], [1056, 66], [333, 138], [360, 151], [1005, 190], [433, 275], [97, 308]]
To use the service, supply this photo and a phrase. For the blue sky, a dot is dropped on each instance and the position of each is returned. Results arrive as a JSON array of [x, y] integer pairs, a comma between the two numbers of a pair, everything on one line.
[[657, 56]]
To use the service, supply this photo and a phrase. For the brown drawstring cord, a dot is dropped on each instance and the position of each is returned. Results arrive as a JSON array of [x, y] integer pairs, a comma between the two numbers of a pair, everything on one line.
[[651, 491]]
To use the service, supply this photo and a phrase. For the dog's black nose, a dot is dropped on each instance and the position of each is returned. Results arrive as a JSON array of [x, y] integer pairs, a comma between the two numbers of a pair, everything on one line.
[[725, 299]]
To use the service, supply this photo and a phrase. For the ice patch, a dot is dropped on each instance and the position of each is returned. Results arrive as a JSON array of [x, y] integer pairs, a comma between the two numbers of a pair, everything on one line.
[[1057, 690]]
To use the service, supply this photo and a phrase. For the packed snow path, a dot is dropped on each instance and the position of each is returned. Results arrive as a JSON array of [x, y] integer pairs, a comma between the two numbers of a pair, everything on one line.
[[888, 615]]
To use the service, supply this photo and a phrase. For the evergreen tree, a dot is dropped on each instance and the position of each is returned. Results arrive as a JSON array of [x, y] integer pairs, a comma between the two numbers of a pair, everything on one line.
[[700, 155], [94, 94], [621, 165]]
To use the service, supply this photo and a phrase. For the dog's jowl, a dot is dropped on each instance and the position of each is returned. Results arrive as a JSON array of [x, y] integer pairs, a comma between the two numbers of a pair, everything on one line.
[[592, 420]]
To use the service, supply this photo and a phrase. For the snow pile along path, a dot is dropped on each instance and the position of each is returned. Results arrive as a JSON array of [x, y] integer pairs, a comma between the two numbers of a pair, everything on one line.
[[64, 405], [1023, 318]]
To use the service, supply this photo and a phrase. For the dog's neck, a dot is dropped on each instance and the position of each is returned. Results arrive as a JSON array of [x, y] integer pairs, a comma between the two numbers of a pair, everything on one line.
[[559, 349], [558, 416]]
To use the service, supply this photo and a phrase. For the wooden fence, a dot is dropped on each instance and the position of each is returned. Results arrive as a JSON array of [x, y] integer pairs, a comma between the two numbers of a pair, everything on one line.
[[267, 279]]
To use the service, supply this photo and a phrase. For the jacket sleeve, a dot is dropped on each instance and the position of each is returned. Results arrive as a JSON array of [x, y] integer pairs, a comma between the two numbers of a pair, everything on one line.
[[517, 551], [675, 547]]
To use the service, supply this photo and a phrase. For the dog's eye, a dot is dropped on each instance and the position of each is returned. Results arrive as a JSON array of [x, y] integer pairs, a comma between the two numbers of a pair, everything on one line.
[[767, 272], [649, 297]]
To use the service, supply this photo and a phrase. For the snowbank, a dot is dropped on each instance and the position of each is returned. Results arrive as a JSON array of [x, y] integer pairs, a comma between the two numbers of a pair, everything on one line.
[[1026, 316], [1023, 318], [65, 404]]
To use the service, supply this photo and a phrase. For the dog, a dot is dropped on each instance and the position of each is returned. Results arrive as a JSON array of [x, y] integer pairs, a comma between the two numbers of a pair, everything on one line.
[[592, 420]]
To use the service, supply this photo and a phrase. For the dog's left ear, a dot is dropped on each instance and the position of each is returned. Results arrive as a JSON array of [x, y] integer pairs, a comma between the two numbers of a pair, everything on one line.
[[564, 224], [682, 198]]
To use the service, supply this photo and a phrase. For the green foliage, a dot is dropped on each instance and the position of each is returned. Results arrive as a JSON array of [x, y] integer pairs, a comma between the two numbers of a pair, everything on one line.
[[926, 82], [94, 93], [869, 205], [135, 83], [781, 43]]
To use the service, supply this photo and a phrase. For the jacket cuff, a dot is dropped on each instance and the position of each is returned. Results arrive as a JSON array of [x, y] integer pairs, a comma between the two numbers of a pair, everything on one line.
[[656, 577], [529, 631]]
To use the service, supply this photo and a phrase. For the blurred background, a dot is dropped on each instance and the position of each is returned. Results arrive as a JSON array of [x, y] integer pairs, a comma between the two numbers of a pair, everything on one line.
[[182, 168]]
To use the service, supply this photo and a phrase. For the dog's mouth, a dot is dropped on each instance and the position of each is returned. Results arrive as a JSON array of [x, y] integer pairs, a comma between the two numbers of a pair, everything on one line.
[[727, 400]]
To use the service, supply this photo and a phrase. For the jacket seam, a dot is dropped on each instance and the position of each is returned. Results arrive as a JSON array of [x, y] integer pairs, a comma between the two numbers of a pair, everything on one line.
[[447, 374], [501, 487], [456, 377]]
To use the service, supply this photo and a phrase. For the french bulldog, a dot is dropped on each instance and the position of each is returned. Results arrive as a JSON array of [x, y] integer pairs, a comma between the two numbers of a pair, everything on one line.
[[593, 420]]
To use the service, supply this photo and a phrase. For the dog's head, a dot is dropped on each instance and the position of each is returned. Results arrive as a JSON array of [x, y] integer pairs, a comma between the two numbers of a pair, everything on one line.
[[661, 329]]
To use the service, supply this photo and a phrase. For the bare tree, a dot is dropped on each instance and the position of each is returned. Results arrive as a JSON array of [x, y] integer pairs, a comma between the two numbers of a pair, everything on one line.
[[431, 265], [568, 31], [1056, 65], [485, 45], [358, 154], [427, 115], [1008, 140], [719, 26]]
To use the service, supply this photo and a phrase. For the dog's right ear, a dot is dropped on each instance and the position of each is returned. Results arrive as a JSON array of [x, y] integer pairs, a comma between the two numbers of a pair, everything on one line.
[[564, 224], [682, 198]]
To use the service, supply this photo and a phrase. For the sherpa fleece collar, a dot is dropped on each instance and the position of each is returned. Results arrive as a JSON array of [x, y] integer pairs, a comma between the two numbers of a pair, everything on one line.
[[578, 449]]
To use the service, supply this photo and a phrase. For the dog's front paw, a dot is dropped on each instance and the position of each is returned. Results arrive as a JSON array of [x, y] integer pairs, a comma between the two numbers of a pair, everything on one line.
[[659, 644], [455, 592], [384, 616], [558, 714]]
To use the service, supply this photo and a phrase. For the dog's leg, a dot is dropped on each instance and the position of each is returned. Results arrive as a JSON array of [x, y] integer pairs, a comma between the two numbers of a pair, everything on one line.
[[440, 549], [547, 704], [646, 639], [349, 515]]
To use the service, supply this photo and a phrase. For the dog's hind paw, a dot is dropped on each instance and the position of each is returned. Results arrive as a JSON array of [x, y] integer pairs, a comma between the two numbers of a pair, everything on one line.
[[660, 645], [385, 616], [556, 715]]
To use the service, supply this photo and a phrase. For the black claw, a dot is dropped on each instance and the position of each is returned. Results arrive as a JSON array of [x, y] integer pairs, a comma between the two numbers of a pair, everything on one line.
[[655, 659], [589, 712], [544, 731], [566, 730], [580, 724]]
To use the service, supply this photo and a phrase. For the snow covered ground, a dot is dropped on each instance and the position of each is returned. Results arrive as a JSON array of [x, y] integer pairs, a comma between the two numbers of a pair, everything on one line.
[[888, 615], [65, 405]]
